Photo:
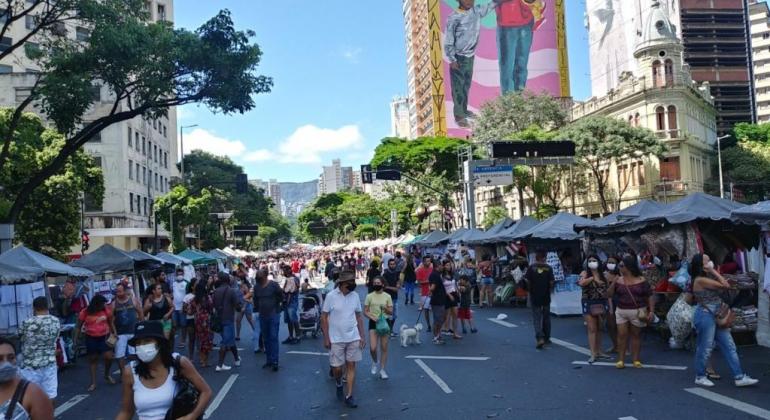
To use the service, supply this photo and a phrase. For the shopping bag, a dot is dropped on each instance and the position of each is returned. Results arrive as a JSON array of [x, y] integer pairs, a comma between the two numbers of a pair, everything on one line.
[[382, 326], [682, 277]]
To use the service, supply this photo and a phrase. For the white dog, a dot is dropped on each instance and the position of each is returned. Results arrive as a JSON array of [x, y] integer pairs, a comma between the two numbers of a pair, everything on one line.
[[410, 335]]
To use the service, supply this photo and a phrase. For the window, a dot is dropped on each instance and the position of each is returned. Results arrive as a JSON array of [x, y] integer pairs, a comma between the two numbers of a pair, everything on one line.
[[59, 29], [137, 172], [640, 172], [149, 150], [161, 12], [131, 201], [82, 34], [96, 93], [4, 69], [160, 186], [165, 160], [660, 118], [130, 138], [138, 204], [92, 203], [636, 120], [156, 181], [149, 178], [136, 140], [669, 69], [96, 138], [669, 169], [164, 131], [655, 73], [155, 153], [145, 206], [22, 94], [672, 124], [29, 22], [130, 169], [5, 43], [154, 124], [144, 146], [144, 175]]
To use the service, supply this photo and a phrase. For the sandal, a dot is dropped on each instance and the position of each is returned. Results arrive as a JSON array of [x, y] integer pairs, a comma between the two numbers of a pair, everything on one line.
[[110, 380], [92, 388]]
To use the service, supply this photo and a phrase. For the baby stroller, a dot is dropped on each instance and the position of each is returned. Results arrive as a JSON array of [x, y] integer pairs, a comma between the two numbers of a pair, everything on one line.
[[310, 313]]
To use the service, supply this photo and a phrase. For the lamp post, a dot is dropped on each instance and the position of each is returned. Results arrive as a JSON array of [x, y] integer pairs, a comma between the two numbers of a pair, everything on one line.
[[181, 145], [719, 161]]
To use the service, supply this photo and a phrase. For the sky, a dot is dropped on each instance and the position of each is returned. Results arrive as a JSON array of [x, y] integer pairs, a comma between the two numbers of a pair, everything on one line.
[[336, 65]]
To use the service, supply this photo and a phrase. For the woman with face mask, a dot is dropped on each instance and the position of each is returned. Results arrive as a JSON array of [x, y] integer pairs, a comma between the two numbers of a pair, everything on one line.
[[707, 287], [594, 303], [97, 323], [612, 275], [636, 307], [376, 304], [31, 402], [149, 385]]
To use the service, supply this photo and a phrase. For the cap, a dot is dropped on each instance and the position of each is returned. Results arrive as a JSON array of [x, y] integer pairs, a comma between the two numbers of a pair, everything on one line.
[[148, 329]]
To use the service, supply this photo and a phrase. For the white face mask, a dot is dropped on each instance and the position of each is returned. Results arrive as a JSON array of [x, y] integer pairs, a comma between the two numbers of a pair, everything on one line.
[[611, 266], [147, 352], [593, 265], [710, 264]]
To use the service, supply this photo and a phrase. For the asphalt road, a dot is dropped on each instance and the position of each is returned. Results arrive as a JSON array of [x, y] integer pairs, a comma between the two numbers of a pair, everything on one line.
[[496, 373]]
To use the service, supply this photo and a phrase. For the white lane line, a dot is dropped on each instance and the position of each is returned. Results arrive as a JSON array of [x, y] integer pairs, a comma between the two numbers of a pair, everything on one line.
[[440, 382], [627, 418], [308, 353], [503, 323], [217, 348], [644, 366], [732, 403], [69, 404], [220, 396], [573, 347], [412, 356]]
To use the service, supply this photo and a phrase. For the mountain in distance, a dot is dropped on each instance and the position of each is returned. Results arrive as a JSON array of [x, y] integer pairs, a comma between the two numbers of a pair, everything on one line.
[[299, 192]]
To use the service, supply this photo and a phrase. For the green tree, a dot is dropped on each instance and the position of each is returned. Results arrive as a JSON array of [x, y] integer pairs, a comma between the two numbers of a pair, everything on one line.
[[601, 141], [50, 222], [432, 155], [145, 67], [747, 163], [187, 209], [515, 112], [494, 215]]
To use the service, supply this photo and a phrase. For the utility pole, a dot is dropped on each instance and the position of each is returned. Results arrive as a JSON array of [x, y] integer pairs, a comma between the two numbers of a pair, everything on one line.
[[181, 146], [719, 159]]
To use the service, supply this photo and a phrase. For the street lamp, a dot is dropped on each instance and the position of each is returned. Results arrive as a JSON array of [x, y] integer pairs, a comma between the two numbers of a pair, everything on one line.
[[719, 160], [181, 144]]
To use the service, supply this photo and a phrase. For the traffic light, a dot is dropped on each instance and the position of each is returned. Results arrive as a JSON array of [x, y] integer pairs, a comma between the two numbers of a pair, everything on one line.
[[241, 183], [531, 149], [389, 172], [84, 239], [366, 174]]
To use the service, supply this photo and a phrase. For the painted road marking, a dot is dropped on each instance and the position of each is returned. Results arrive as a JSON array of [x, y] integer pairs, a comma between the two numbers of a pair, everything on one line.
[[412, 356], [220, 396], [308, 353], [440, 382], [69, 404], [217, 348], [732, 403], [644, 366], [627, 418], [573, 347], [503, 323]]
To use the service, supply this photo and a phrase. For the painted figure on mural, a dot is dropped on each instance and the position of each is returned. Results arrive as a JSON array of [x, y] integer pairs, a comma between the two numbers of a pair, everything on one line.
[[516, 22]]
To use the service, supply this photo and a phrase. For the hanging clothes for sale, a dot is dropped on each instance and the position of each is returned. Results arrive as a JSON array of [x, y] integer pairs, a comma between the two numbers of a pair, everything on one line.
[[16, 304]]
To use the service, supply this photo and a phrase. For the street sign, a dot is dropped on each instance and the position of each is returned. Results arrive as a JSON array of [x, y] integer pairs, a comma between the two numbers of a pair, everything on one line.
[[489, 176], [371, 220]]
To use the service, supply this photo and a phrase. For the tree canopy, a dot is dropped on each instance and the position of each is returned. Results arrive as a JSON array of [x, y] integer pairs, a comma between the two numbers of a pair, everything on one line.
[[747, 163], [517, 112]]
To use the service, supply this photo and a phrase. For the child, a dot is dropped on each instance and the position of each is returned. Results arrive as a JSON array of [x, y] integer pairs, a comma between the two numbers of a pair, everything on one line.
[[464, 313]]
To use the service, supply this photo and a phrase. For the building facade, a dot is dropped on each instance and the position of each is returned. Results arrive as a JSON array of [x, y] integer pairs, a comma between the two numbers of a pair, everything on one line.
[[399, 118], [138, 157], [418, 49], [274, 192], [715, 37], [760, 51], [336, 178]]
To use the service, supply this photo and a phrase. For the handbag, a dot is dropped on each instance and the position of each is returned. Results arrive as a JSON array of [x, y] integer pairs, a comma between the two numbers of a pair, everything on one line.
[[112, 340], [596, 309], [641, 313], [382, 327], [724, 317], [186, 395]]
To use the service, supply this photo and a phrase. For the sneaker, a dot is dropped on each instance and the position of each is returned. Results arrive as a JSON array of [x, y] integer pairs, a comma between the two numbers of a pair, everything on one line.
[[474, 331], [548, 341], [447, 333], [340, 391], [437, 340], [591, 360], [237, 363], [287, 341], [465, 331], [223, 368], [540, 343], [383, 374], [704, 381], [350, 402], [393, 335], [258, 351], [374, 369], [746, 380], [275, 367]]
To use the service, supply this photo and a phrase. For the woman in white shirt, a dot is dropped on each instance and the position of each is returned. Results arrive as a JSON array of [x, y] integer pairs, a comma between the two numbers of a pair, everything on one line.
[[148, 384]]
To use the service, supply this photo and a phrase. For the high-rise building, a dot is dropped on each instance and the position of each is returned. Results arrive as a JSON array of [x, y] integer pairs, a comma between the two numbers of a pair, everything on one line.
[[274, 192], [715, 36], [260, 185], [418, 48], [399, 118], [336, 178], [138, 157], [760, 51]]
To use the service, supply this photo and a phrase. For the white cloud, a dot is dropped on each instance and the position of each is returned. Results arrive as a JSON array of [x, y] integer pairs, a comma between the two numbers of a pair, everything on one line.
[[200, 139], [260, 155], [185, 113], [308, 142]]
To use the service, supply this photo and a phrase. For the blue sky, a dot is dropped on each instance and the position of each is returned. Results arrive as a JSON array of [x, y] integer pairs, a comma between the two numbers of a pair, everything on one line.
[[336, 65]]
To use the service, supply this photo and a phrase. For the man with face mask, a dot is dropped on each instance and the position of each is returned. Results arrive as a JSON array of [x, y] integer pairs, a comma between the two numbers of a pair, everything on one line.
[[27, 399], [38, 340], [343, 326], [179, 290]]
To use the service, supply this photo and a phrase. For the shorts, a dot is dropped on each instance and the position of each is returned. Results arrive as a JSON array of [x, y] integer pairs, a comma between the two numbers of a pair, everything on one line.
[[452, 303], [228, 335], [439, 314], [97, 345], [290, 314], [46, 378], [587, 303], [166, 325], [122, 349], [464, 313], [340, 353], [179, 318], [425, 302], [623, 316], [372, 325], [487, 281]]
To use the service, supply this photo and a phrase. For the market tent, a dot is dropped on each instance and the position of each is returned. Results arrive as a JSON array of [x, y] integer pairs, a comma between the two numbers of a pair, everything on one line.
[[197, 257], [432, 238], [487, 236], [146, 261], [639, 210], [24, 259], [757, 214], [413, 240], [524, 224], [457, 235], [106, 259], [471, 234], [176, 260], [10, 274], [560, 226], [215, 253]]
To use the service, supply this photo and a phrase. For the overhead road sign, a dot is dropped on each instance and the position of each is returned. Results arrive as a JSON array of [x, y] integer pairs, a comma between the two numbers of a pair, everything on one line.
[[489, 176]]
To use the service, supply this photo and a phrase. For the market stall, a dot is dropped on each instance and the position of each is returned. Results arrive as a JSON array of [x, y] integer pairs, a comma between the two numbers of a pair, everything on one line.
[[433, 243]]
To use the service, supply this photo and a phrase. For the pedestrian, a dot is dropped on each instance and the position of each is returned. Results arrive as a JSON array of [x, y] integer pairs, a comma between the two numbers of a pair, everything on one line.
[[291, 306], [21, 400], [127, 312], [452, 302], [636, 306], [612, 275], [328, 268], [422, 273], [438, 301], [376, 304], [539, 282], [343, 328], [179, 290], [410, 278], [487, 281], [159, 277], [594, 304], [226, 303], [267, 299], [464, 314], [159, 307], [98, 324], [244, 294], [708, 285], [371, 273], [201, 308], [150, 383], [38, 347], [392, 283], [468, 269]]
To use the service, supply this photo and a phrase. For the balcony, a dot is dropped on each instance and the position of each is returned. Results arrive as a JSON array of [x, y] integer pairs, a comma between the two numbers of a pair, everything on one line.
[[669, 134]]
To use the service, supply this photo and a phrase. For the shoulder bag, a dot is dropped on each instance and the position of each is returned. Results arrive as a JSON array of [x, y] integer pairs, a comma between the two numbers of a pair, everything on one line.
[[186, 395]]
